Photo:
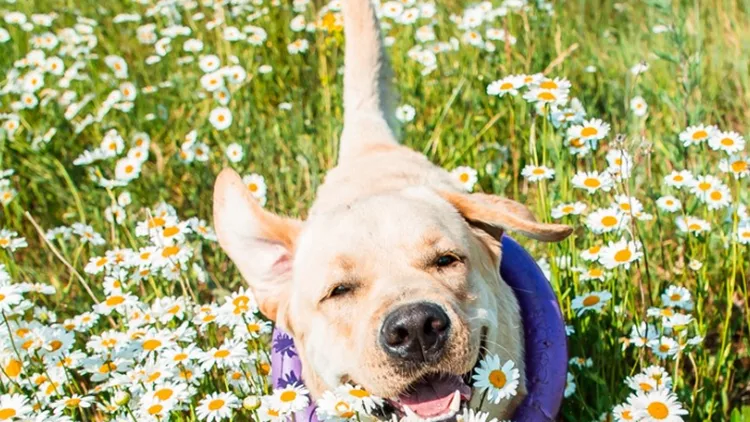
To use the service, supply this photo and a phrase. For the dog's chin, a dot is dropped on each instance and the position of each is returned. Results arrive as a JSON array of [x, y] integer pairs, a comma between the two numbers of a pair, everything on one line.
[[438, 396]]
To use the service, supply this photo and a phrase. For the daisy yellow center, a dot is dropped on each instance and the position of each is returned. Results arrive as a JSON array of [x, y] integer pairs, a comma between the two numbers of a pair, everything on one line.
[[288, 396], [577, 142], [155, 409], [594, 249], [591, 300], [151, 344], [7, 413], [675, 297], [645, 386], [273, 412], [546, 96], [664, 348], [173, 310], [2, 297], [13, 368], [163, 394], [596, 272], [237, 376], [253, 328], [589, 131], [678, 178], [538, 171], [704, 186], [4, 242], [107, 368], [592, 182], [625, 207], [700, 135], [155, 376], [498, 379], [623, 255], [567, 209], [464, 177], [171, 231], [669, 202], [727, 142], [264, 368], [114, 300], [658, 410], [667, 312], [548, 85], [170, 251], [739, 166], [506, 86], [221, 118], [55, 345], [359, 393], [344, 410], [180, 357], [609, 221], [746, 235], [101, 261], [694, 226], [72, 402], [716, 195], [626, 415], [215, 404], [221, 354], [156, 222], [252, 187]]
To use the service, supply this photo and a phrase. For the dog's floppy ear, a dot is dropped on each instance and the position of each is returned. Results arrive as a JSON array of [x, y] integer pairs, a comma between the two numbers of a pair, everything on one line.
[[260, 243], [495, 214]]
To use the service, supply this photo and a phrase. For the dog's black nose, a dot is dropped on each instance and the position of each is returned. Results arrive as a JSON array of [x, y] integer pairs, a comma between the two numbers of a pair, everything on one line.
[[415, 332]]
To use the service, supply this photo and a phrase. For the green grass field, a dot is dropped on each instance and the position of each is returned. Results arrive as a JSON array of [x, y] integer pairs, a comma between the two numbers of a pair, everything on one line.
[[118, 115]]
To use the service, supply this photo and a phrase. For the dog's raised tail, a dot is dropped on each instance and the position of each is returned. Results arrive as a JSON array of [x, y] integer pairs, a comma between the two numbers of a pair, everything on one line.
[[368, 113]]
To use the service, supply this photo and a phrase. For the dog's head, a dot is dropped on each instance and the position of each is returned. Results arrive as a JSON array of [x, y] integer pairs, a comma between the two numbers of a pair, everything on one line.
[[398, 292]]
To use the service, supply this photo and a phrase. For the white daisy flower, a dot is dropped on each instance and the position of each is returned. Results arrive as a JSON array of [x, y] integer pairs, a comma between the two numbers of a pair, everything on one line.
[[669, 203], [234, 152], [574, 208], [593, 181], [290, 399], [499, 380], [220, 118], [695, 225], [606, 220], [695, 135], [657, 406], [361, 399], [678, 179], [620, 253], [536, 173], [729, 142], [638, 106], [589, 130], [466, 176], [405, 113], [593, 301], [217, 406]]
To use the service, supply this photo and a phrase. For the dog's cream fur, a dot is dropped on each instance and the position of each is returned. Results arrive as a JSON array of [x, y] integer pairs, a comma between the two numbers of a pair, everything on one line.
[[379, 221]]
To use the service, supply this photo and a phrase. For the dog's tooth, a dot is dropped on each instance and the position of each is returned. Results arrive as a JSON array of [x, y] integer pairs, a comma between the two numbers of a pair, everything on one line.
[[410, 414], [455, 402]]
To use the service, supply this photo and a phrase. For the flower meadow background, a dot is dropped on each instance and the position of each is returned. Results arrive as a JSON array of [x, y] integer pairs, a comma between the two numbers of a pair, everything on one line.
[[624, 119]]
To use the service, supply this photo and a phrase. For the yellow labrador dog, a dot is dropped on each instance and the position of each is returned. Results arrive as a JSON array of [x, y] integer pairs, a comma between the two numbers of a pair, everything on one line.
[[392, 281]]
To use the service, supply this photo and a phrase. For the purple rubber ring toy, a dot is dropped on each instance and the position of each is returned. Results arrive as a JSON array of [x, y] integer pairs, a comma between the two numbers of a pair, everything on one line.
[[545, 341]]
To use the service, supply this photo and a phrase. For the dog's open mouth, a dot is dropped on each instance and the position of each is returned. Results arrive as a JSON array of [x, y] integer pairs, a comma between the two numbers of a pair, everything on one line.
[[435, 397]]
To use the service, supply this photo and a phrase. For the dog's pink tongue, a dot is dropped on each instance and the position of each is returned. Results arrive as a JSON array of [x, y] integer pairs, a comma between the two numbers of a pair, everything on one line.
[[432, 396]]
